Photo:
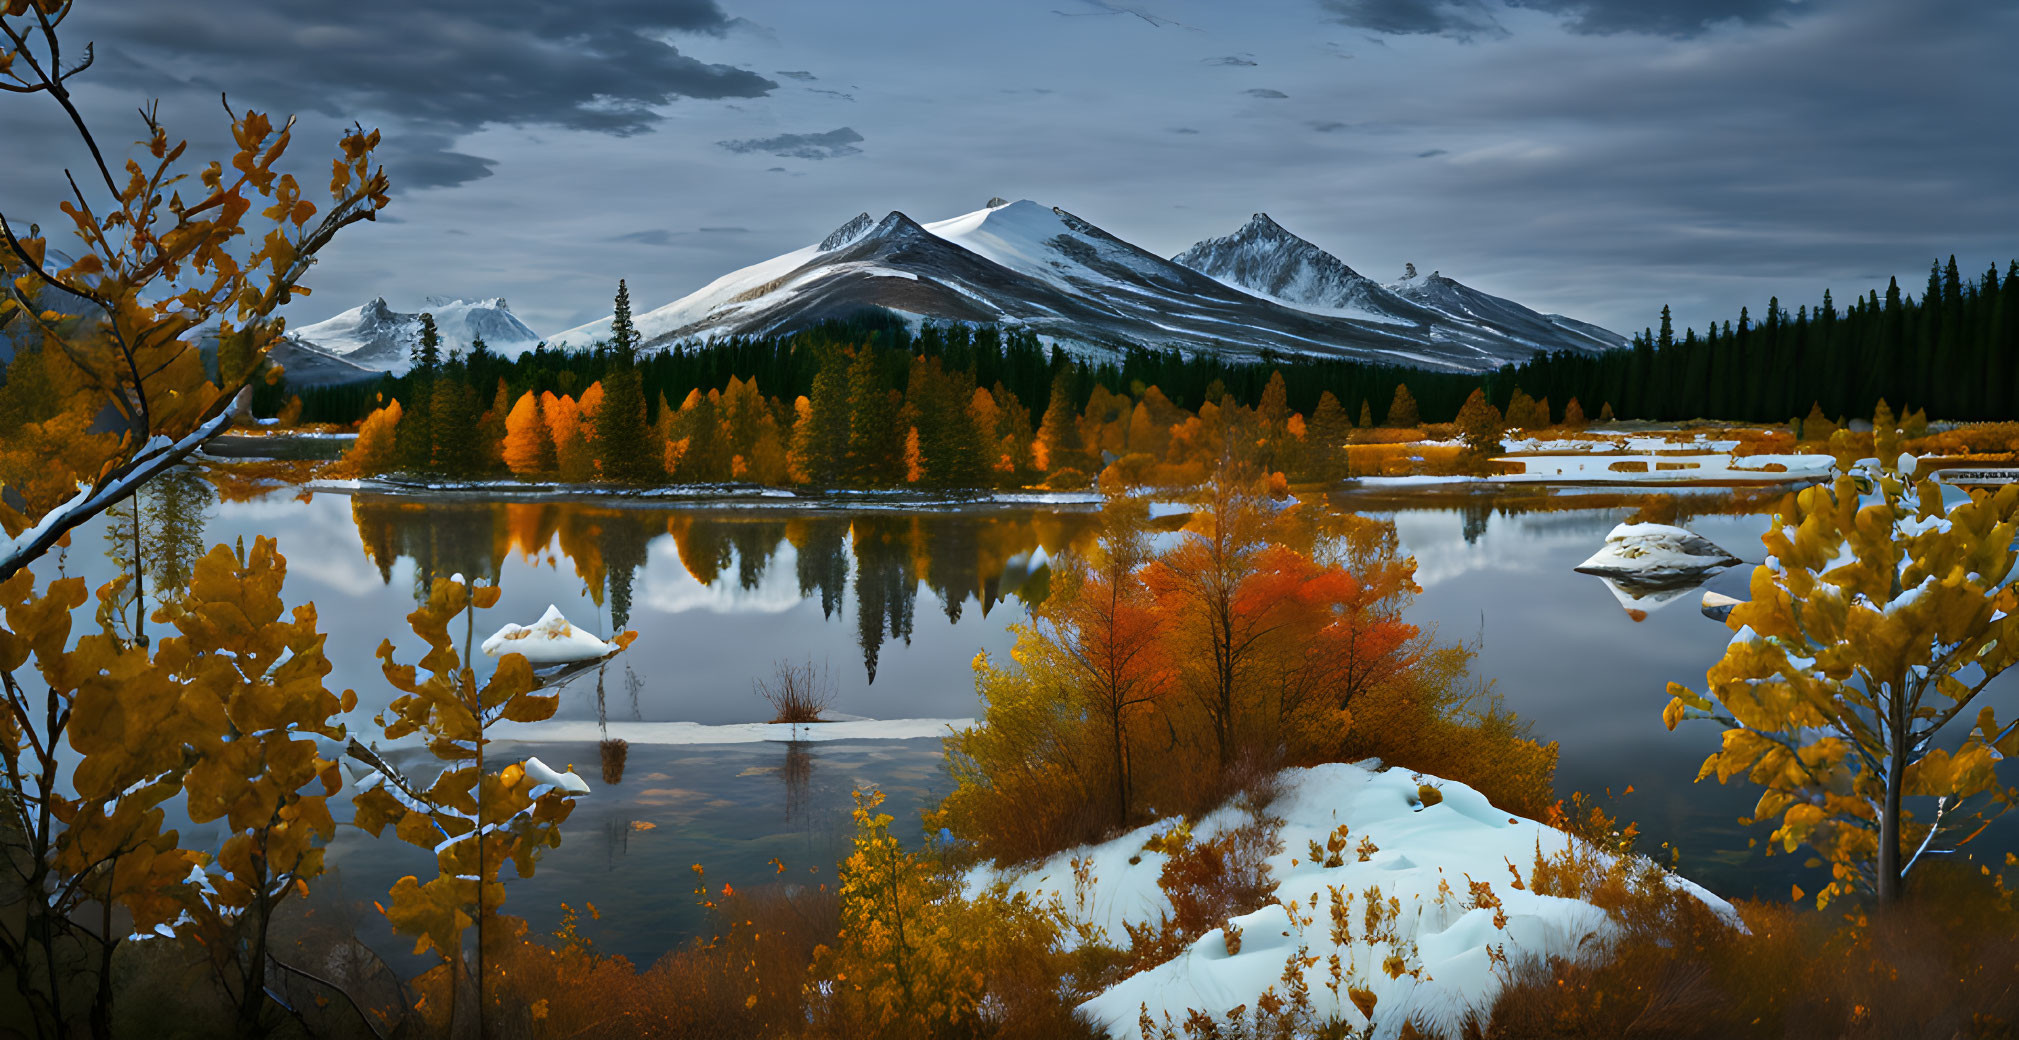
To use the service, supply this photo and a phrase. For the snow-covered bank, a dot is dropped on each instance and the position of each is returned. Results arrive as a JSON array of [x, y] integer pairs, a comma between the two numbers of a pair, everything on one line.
[[1455, 939], [586, 730]]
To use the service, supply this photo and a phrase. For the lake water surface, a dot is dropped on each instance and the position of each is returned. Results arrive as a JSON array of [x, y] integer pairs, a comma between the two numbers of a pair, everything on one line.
[[894, 603]]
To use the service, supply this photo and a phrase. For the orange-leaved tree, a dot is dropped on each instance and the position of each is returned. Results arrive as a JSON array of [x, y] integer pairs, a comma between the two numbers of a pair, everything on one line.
[[471, 819], [1881, 617], [1103, 625]]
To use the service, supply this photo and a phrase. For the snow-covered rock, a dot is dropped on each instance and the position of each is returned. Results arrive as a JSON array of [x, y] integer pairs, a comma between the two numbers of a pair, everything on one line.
[[550, 640], [1656, 554], [1717, 606], [542, 773], [1424, 856]]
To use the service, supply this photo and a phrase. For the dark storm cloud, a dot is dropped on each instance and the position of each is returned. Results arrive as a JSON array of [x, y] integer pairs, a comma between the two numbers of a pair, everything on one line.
[[1459, 19], [453, 65], [1664, 17], [1265, 92], [1469, 19], [831, 145]]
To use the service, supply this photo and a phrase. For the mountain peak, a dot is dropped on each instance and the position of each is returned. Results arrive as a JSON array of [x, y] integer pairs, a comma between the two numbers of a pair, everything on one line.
[[1262, 224], [846, 233], [996, 202]]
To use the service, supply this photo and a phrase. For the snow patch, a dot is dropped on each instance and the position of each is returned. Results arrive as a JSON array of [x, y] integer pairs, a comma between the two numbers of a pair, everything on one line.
[[550, 640]]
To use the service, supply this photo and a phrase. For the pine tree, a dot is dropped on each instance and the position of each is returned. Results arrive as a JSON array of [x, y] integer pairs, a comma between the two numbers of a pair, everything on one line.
[[875, 438], [624, 440], [623, 335], [1402, 410], [453, 411], [820, 433], [1366, 421]]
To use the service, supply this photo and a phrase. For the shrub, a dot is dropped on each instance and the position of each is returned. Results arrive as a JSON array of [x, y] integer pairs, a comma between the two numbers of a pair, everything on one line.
[[797, 692]]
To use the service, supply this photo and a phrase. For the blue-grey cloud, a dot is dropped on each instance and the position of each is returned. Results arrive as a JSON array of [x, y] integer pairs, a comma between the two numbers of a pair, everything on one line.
[[450, 65], [1265, 92], [1665, 17], [1460, 19], [799, 74], [1183, 130], [1432, 153], [1233, 60], [830, 93], [429, 161], [830, 145], [665, 237]]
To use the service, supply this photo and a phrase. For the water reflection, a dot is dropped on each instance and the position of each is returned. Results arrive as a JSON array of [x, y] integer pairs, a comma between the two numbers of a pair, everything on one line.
[[885, 557]]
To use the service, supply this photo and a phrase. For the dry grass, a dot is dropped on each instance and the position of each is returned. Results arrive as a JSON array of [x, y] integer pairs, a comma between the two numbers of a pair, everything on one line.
[[797, 693], [1944, 964]]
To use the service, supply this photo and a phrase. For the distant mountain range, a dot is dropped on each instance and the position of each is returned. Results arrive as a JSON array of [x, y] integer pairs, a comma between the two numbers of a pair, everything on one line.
[[1044, 269], [373, 338], [1260, 290]]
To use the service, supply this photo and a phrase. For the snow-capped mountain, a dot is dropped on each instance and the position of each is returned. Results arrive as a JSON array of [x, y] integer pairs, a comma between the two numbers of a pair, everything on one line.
[[375, 338], [1466, 304], [1044, 269], [1265, 259]]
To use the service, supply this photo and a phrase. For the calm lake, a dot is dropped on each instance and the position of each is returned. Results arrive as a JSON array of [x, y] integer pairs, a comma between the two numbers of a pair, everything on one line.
[[895, 602]]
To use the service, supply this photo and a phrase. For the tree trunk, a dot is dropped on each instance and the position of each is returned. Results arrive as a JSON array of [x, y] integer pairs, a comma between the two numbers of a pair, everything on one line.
[[1890, 880], [1121, 774]]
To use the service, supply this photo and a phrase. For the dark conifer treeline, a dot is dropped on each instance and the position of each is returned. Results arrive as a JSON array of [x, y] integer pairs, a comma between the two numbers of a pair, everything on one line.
[[1954, 353]]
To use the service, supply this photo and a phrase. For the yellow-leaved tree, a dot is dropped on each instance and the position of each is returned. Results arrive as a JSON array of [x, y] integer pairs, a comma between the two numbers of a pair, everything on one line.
[[1881, 616], [471, 819], [110, 383], [917, 957]]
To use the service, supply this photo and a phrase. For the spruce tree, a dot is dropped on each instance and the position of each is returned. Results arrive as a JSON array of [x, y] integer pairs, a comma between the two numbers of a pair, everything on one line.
[[456, 451], [623, 437], [1058, 433], [414, 439]]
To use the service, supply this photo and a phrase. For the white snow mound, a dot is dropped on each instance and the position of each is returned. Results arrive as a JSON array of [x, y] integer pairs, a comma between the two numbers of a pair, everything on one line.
[[1656, 554], [1422, 856], [542, 773], [550, 640]]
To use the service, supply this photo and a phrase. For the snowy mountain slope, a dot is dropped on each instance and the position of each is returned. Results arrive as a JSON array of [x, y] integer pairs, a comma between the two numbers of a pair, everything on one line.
[[377, 338], [1265, 259], [1464, 303], [1046, 270]]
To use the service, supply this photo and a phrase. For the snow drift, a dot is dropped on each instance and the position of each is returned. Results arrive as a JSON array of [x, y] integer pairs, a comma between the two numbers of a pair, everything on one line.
[[1423, 853]]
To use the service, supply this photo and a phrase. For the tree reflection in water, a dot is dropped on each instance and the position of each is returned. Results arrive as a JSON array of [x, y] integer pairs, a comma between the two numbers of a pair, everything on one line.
[[887, 556]]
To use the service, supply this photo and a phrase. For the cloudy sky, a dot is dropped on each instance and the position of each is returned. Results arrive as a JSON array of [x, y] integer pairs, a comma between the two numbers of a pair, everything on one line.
[[1593, 157]]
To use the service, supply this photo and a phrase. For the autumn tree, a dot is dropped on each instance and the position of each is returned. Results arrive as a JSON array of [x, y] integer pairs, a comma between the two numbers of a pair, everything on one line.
[[1573, 415], [529, 447], [1480, 426], [121, 355], [1325, 440], [1102, 622], [1402, 410], [1058, 444], [1880, 618], [471, 819], [917, 958], [377, 448]]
